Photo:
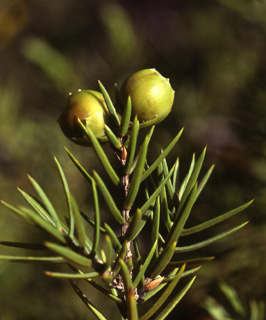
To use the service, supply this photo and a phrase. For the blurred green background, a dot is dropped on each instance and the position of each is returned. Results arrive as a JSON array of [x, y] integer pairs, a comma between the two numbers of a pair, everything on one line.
[[214, 54]]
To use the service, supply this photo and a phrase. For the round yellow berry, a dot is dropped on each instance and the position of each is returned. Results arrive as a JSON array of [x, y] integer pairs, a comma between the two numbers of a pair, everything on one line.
[[151, 94], [90, 108]]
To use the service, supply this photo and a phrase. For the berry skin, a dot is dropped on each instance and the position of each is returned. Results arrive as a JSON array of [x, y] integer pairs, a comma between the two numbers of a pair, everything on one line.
[[151, 94], [90, 108]]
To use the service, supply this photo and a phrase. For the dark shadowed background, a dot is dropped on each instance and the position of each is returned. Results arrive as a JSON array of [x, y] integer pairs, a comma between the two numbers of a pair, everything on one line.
[[214, 54]]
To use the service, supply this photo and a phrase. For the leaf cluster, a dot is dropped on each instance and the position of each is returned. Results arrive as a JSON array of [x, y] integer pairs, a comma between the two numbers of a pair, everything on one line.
[[144, 196]]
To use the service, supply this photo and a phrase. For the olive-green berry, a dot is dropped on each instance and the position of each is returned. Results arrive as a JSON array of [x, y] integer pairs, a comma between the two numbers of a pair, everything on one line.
[[151, 94], [90, 108]]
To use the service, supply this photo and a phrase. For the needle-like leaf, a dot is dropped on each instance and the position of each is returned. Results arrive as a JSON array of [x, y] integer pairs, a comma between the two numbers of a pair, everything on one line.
[[137, 251], [112, 138], [132, 310], [79, 166], [153, 197], [109, 104], [153, 121], [108, 251], [96, 228], [172, 304], [79, 223], [37, 207], [187, 177], [19, 212], [32, 259], [47, 203], [181, 219], [192, 180], [135, 226], [156, 223], [116, 243], [68, 254], [165, 210], [45, 225], [175, 174], [145, 265], [68, 198], [108, 199], [216, 220], [132, 145], [137, 175], [97, 286], [209, 241], [91, 222], [162, 261], [125, 118], [169, 184], [185, 274], [83, 297], [101, 154], [191, 261], [139, 152], [121, 256], [204, 180], [162, 156], [72, 275]]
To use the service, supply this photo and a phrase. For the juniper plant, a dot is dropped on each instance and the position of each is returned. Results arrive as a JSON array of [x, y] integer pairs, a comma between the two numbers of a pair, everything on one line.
[[143, 196]]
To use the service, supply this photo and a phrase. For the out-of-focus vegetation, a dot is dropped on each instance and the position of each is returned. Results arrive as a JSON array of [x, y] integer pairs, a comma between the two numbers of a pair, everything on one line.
[[214, 54], [230, 306]]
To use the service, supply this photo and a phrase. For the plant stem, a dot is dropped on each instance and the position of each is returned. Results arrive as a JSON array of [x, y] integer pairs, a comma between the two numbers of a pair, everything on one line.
[[125, 212]]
